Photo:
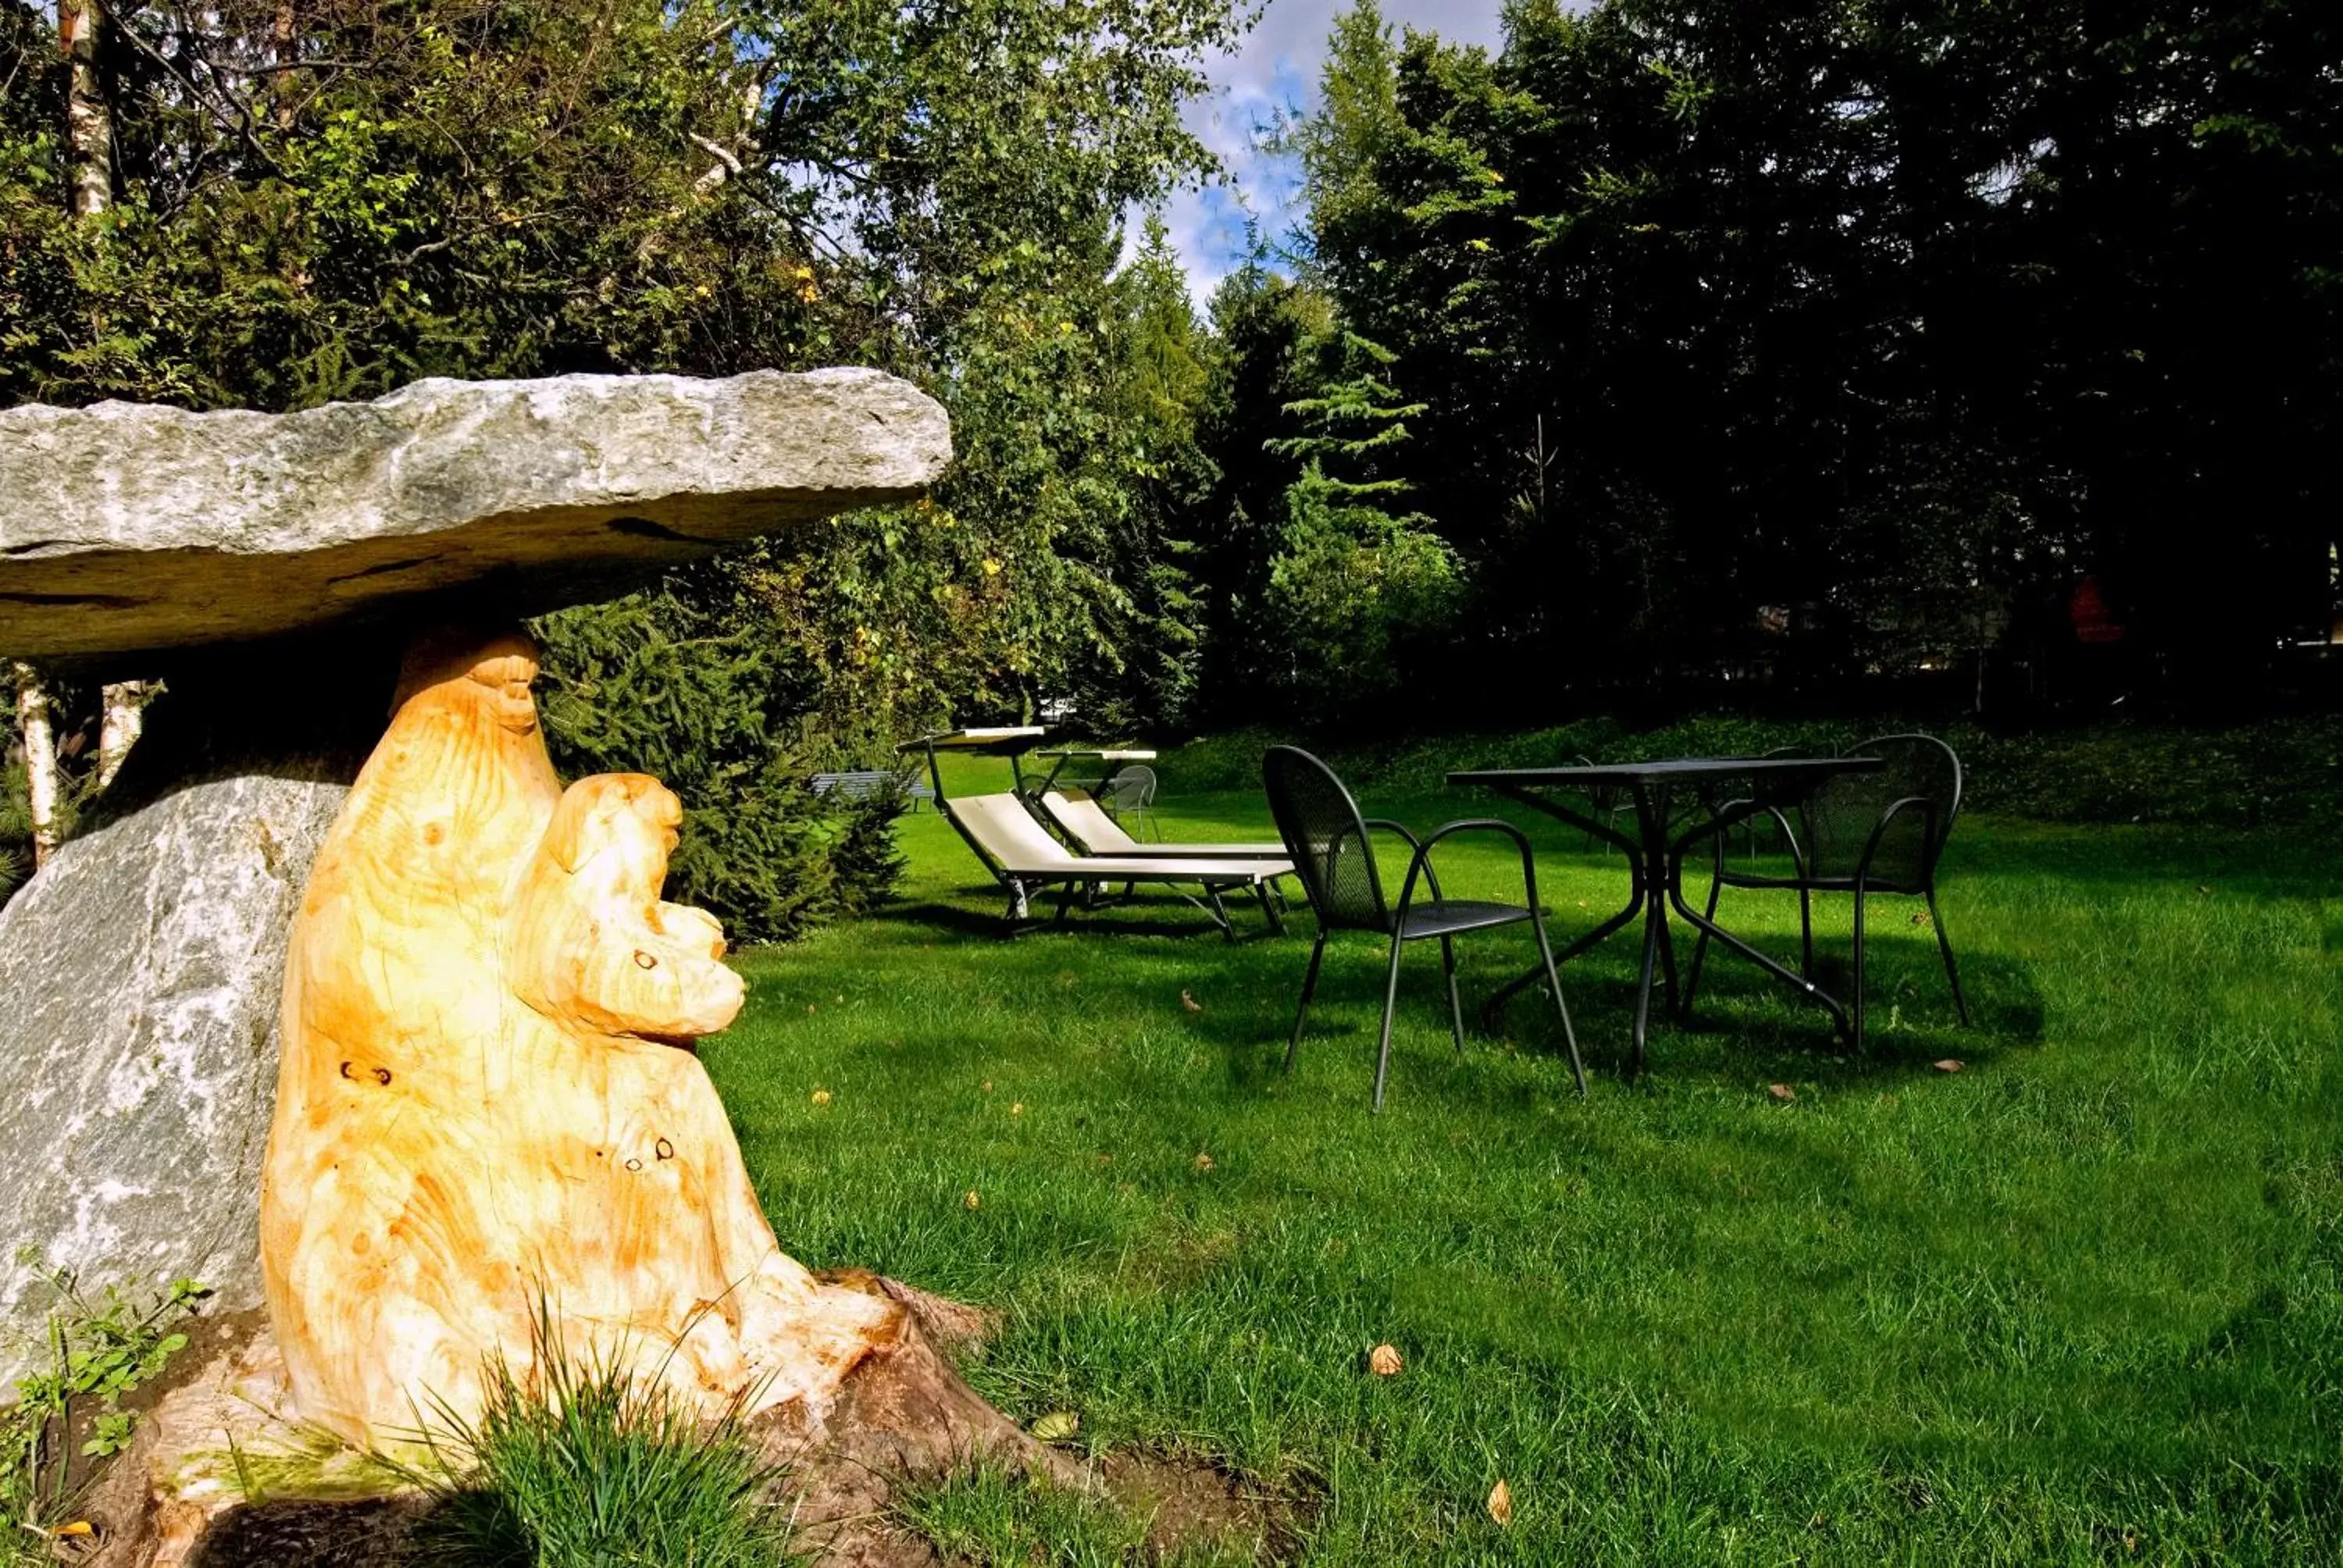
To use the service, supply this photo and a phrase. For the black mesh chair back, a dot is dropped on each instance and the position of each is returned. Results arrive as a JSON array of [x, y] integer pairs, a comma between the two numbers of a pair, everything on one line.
[[1841, 814], [1326, 838], [1128, 796]]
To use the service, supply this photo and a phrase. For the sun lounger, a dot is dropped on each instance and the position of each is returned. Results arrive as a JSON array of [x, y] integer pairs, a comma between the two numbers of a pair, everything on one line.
[[1018, 851], [1086, 822]]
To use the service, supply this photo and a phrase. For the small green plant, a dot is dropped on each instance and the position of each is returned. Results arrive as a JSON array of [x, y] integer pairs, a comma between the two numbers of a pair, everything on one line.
[[98, 1350], [581, 1462]]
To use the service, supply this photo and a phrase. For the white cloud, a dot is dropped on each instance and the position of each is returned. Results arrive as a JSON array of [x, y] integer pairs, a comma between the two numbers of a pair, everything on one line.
[[1275, 70]]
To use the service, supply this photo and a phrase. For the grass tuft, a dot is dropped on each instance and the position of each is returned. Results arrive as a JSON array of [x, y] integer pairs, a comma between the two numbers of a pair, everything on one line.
[[580, 1463]]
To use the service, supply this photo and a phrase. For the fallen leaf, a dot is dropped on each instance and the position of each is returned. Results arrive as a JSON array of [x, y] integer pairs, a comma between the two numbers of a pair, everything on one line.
[[2204, 892], [1203, 1163], [1105, 1161], [987, 1086], [821, 1097], [1781, 1091], [1950, 1064], [809, 1009], [1500, 1504], [1383, 1360], [1057, 1426], [1190, 1003], [1018, 1109], [969, 1201], [78, 1527], [1920, 918]]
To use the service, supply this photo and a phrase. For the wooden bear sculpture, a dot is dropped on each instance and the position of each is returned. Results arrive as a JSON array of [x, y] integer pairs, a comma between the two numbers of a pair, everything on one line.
[[488, 1099]]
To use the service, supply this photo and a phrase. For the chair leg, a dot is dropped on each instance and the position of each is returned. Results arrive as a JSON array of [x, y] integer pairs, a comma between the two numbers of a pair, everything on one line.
[[1455, 1008], [1269, 909], [1309, 989], [1952, 969], [1806, 935], [1700, 944], [1390, 1000], [1856, 1007], [1561, 1008]]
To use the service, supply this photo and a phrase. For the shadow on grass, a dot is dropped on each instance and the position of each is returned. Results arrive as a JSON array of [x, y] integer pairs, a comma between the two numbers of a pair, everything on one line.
[[1166, 916], [1135, 959]]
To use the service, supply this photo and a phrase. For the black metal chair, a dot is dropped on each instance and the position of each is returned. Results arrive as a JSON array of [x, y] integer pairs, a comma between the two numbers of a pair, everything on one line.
[[1763, 822], [1604, 800], [1130, 791], [1862, 833], [1328, 843]]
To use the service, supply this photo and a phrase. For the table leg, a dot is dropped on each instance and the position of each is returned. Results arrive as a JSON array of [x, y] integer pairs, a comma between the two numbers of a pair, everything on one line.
[[1655, 942], [1654, 871], [1791, 978], [1639, 895]]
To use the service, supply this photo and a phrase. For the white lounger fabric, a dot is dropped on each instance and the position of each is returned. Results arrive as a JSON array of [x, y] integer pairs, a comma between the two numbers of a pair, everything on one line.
[[1101, 834], [1008, 832]]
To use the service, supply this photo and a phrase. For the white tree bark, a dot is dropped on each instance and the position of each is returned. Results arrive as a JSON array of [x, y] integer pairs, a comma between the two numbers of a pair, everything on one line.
[[40, 729], [89, 121], [125, 714]]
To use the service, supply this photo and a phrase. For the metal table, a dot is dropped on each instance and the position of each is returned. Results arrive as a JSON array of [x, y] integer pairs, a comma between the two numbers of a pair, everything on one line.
[[1059, 759], [1655, 858]]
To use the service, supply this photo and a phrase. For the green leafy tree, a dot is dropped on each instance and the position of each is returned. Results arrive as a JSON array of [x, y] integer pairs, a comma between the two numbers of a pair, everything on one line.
[[329, 199], [1356, 588], [1869, 313]]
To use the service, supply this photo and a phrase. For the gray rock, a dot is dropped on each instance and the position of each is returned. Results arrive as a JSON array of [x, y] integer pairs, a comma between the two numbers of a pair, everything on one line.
[[139, 982], [128, 527]]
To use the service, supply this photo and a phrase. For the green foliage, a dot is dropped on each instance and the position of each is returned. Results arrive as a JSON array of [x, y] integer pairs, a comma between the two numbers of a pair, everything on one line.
[[520, 187], [1354, 592], [98, 1349], [2272, 772], [1906, 317], [575, 1462], [16, 829], [687, 687], [1353, 587]]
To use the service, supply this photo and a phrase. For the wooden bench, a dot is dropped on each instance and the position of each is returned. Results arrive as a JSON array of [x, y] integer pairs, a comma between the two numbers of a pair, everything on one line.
[[863, 784]]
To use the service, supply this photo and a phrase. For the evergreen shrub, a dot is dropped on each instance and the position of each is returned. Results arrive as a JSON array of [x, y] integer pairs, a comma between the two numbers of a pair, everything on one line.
[[721, 713]]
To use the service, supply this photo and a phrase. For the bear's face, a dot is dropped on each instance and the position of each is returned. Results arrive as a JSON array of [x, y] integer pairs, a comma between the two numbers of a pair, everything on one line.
[[607, 954]]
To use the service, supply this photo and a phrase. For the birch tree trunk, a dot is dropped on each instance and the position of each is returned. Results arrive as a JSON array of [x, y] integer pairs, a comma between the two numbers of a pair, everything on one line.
[[282, 83], [34, 719], [89, 119], [125, 714], [89, 131]]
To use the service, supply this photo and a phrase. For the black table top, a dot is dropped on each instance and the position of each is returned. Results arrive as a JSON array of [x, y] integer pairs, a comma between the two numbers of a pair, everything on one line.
[[1671, 771]]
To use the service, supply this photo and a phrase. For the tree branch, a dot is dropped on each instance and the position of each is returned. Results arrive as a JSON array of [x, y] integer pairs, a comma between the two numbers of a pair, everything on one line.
[[238, 122]]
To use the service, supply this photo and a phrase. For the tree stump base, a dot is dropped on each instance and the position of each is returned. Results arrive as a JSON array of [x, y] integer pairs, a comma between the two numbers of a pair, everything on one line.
[[224, 1474]]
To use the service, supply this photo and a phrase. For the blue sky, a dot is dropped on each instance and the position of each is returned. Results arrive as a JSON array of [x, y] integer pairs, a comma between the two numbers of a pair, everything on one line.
[[1277, 66]]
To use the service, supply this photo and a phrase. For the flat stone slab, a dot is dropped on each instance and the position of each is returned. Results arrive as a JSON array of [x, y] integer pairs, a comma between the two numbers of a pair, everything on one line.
[[126, 528]]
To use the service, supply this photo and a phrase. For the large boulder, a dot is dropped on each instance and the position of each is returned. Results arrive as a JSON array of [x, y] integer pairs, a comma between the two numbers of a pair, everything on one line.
[[140, 972], [131, 527]]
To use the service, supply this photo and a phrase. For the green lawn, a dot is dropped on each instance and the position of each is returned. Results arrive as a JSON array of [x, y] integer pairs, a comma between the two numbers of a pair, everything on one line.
[[2075, 1302]]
